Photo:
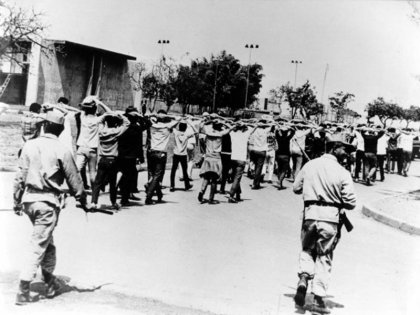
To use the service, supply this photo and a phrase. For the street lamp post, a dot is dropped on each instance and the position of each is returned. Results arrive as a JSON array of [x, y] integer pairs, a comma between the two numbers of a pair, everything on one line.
[[215, 87], [162, 42], [250, 47], [296, 62]]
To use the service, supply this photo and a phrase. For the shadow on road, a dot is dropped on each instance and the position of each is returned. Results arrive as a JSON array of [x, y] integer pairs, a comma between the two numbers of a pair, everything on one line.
[[309, 300]]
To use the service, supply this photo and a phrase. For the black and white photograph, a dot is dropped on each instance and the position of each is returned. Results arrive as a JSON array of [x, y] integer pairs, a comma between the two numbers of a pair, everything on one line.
[[209, 157]]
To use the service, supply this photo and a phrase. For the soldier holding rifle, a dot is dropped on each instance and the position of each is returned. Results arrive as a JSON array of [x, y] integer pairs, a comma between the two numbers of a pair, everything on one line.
[[327, 189]]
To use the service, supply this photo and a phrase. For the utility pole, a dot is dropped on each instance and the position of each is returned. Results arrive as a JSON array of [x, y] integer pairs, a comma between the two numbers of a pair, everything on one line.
[[296, 62], [323, 89], [250, 47]]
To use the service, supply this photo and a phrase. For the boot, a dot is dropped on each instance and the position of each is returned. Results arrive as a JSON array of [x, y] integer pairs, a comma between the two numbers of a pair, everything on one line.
[[53, 286], [319, 306], [302, 286], [23, 296]]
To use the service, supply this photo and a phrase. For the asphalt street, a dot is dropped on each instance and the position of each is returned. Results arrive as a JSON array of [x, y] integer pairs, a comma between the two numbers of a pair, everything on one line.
[[224, 259]]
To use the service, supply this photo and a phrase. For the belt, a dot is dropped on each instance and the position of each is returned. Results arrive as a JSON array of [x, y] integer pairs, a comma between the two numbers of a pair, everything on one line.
[[321, 204]]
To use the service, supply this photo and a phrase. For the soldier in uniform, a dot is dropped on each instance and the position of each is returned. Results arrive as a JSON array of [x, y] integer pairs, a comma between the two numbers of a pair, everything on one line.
[[44, 165], [327, 189]]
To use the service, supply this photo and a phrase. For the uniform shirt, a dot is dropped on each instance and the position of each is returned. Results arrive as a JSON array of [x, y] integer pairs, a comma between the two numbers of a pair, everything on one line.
[[108, 138], [89, 131], [382, 145], [159, 135], [359, 142], [44, 165], [240, 144], [405, 142], [324, 179], [181, 141]]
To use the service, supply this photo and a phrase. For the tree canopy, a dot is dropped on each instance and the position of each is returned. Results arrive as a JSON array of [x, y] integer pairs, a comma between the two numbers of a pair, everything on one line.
[[339, 103], [384, 110]]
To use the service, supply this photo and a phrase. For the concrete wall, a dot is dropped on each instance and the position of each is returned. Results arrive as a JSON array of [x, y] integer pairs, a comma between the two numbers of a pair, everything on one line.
[[65, 71]]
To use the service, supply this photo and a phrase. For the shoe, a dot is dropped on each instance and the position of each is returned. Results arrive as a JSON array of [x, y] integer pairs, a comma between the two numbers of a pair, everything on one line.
[[133, 197], [404, 173], [148, 202], [116, 206], [222, 192], [270, 181], [214, 202], [93, 206], [232, 200], [238, 198], [200, 196], [318, 306], [24, 297], [368, 183], [172, 189], [160, 200], [255, 187], [188, 187], [301, 290]]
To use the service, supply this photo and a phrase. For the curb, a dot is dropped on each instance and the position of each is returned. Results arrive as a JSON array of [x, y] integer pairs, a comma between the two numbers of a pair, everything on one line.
[[370, 211]]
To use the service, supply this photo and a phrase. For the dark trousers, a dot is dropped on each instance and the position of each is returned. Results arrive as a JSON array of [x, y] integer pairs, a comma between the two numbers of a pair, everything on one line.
[[175, 161], [127, 166], [258, 157], [226, 165], [156, 166], [400, 160], [238, 169], [392, 157], [106, 172], [359, 159], [282, 166], [381, 162]]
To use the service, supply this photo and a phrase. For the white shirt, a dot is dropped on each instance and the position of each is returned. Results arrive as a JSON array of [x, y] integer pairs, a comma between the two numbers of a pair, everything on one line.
[[240, 144], [405, 142], [382, 145]]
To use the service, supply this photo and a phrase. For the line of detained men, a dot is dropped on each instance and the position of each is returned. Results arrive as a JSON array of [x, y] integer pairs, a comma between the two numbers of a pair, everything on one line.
[[322, 206]]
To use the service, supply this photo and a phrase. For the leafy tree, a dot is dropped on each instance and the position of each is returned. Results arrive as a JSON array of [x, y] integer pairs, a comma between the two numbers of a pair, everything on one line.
[[411, 114], [384, 110], [302, 100], [19, 29], [339, 103]]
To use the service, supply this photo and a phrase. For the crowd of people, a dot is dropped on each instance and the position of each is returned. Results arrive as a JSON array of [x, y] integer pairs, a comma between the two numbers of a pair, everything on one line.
[[92, 145], [105, 143]]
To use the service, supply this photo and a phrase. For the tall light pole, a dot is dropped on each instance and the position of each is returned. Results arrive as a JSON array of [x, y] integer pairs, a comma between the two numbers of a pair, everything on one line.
[[323, 89], [296, 62], [162, 42], [215, 86], [250, 47]]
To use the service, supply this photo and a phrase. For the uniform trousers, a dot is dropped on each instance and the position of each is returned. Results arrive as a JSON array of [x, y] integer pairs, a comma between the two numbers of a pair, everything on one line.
[[315, 260], [42, 252]]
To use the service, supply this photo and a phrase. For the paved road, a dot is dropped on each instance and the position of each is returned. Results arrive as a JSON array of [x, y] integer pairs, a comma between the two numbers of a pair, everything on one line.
[[224, 259]]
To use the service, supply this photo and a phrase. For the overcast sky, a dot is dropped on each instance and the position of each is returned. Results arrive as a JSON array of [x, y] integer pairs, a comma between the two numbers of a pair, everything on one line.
[[372, 47]]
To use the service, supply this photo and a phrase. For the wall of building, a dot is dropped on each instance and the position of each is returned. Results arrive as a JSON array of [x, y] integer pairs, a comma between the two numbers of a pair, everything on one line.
[[66, 70]]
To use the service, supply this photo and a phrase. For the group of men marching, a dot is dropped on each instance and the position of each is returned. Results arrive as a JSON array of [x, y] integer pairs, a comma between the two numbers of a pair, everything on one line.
[[63, 144]]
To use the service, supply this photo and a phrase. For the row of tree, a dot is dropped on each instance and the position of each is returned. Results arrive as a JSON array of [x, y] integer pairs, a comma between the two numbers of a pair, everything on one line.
[[219, 82], [388, 111]]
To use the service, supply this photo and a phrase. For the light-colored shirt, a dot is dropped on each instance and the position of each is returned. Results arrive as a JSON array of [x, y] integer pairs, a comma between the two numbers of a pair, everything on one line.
[[297, 143], [43, 167], [405, 142], [240, 144], [159, 135], [359, 141], [181, 141], [108, 137], [259, 139], [382, 145], [89, 128], [324, 179]]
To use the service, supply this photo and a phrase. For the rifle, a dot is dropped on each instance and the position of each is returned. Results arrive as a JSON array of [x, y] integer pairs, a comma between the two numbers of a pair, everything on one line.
[[346, 222]]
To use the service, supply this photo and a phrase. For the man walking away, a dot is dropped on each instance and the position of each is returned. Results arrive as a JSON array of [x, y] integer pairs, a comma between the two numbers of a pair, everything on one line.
[[327, 188], [406, 144], [180, 154], [44, 165], [283, 137], [111, 127]]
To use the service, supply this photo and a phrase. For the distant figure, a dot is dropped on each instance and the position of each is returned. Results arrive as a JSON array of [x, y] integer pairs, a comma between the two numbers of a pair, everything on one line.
[[31, 123]]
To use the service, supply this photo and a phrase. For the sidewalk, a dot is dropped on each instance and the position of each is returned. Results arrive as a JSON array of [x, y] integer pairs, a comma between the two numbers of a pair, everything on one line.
[[395, 202]]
